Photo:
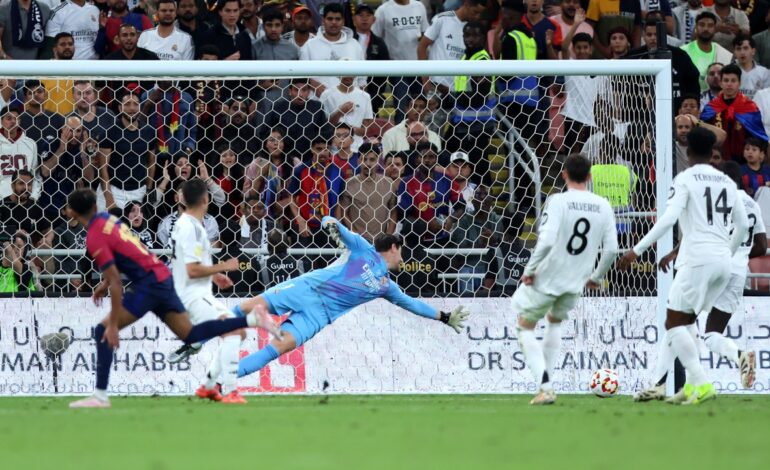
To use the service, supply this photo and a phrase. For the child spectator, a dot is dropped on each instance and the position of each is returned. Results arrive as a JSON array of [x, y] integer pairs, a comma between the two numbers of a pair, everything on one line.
[[133, 215], [755, 173]]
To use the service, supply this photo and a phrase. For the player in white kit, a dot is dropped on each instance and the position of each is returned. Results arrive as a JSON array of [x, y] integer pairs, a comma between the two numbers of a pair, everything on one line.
[[704, 200], [726, 303], [573, 227], [193, 273]]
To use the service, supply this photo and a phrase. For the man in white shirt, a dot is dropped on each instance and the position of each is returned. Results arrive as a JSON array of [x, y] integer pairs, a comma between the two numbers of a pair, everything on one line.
[[443, 40], [572, 21], [81, 19], [17, 152], [405, 135], [684, 19], [731, 22], [166, 40], [573, 227], [302, 26], [351, 105], [754, 77], [703, 200]]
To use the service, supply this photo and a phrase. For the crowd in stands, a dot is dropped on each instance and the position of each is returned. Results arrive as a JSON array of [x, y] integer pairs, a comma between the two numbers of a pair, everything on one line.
[[413, 155]]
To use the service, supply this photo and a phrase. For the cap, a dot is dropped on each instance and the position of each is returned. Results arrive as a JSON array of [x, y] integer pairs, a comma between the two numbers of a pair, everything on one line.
[[364, 7], [459, 156], [299, 9]]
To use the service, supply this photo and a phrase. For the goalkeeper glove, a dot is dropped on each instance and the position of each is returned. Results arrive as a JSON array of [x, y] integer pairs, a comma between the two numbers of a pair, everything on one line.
[[456, 319], [330, 225]]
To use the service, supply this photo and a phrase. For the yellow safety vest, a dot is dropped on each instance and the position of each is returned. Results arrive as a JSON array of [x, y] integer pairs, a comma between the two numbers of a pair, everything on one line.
[[485, 113], [461, 81], [523, 90]]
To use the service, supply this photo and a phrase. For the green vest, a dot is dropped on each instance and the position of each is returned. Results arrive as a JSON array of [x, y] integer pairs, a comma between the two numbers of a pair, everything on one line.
[[461, 82], [614, 183], [8, 284], [526, 47]]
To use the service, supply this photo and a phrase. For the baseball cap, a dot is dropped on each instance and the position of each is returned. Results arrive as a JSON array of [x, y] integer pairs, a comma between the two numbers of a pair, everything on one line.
[[459, 156], [299, 9], [364, 7]]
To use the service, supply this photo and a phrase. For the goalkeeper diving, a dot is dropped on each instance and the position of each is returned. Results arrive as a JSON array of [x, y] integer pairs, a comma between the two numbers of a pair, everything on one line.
[[318, 298]]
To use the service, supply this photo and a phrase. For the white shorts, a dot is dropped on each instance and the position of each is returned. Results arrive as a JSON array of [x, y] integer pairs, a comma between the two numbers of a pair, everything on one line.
[[533, 305], [207, 308], [730, 298], [695, 288]]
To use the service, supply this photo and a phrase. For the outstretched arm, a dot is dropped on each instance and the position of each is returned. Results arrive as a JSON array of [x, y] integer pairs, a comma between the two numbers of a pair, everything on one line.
[[455, 319], [351, 240]]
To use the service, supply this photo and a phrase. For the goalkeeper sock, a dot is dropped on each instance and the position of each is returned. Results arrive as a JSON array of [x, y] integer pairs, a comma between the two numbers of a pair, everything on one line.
[[228, 358], [238, 311], [103, 359], [722, 345], [257, 360], [665, 358], [533, 354], [212, 328], [685, 349], [551, 345], [212, 374]]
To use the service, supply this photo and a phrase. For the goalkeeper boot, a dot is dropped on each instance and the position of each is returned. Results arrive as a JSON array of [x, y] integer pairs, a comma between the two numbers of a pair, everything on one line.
[[682, 395], [544, 397], [213, 394], [748, 365], [185, 351], [656, 392], [234, 398], [701, 393], [91, 402]]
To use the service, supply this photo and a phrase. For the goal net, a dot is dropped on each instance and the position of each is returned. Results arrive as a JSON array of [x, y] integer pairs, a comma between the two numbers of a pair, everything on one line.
[[462, 172]]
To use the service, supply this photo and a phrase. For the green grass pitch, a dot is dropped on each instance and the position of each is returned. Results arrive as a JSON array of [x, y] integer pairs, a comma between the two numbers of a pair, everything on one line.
[[385, 432]]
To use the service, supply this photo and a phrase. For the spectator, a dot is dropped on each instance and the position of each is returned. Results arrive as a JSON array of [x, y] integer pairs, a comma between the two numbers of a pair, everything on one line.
[[302, 26], [225, 34], [172, 178], [171, 112], [394, 165], [128, 38], [267, 174], [405, 135], [167, 225], [96, 119], [368, 204], [374, 49], [619, 40], [473, 115], [40, 125], [578, 109], [107, 41], [730, 22], [424, 199], [133, 216], [17, 152], [401, 24], [346, 103], [238, 130], [683, 127], [315, 188], [756, 10], [18, 211], [713, 82], [460, 171], [7, 91], [279, 266], [734, 113], [303, 119], [613, 178], [572, 21], [762, 39], [690, 105], [189, 22], [343, 155], [703, 51], [226, 177], [252, 26], [753, 77], [16, 273], [606, 16], [81, 20], [684, 19], [755, 173], [72, 236], [443, 40], [22, 29], [662, 7], [333, 42], [166, 40], [60, 98], [543, 28], [272, 46], [255, 223], [128, 173]]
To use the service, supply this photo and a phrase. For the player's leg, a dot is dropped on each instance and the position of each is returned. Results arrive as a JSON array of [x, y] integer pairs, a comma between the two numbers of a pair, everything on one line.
[[552, 334], [104, 355], [530, 306]]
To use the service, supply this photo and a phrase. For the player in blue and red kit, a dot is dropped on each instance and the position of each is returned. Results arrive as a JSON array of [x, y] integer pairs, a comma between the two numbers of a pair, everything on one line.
[[117, 251], [318, 298]]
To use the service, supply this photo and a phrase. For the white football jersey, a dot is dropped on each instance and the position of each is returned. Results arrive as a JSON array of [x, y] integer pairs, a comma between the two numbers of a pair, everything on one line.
[[81, 22], [190, 245], [401, 27], [333, 98], [704, 200], [177, 46], [446, 32], [20, 154], [756, 225], [574, 226]]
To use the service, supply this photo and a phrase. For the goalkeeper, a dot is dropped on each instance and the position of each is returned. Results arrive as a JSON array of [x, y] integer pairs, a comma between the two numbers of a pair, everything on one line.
[[318, 298]]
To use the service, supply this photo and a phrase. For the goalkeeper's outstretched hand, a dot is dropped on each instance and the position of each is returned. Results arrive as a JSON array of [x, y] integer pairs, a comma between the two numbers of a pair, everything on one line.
[[456, 319], [330, 225]]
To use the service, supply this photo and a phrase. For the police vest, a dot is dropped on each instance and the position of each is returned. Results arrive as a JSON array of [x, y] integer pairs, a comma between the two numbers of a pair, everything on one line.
[[522, 90], [484, 113], [615, 183]]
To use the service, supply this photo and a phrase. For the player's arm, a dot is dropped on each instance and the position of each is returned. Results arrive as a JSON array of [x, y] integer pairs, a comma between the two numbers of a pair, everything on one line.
[[669, 258], [549, 227], [740, 225], [455, 319], [609, 249], [340, 233], [759, 245]]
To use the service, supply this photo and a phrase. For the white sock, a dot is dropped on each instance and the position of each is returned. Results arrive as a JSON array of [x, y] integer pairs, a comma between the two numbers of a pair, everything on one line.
[[228, 357], [215, 368], [551, 346], [685, 349], [533, 354], [101, 394], [723, 346], [665, 358]]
